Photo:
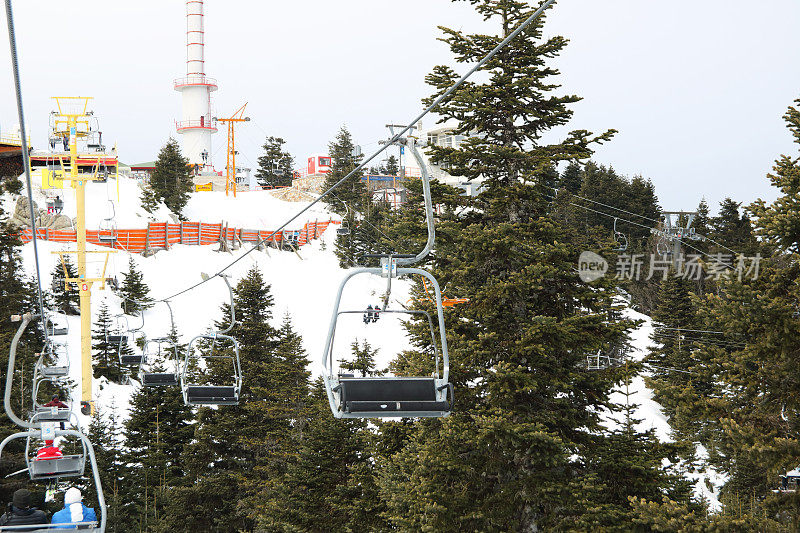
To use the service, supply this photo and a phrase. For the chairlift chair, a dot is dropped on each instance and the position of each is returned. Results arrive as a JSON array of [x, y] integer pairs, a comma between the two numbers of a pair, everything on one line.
[[195, 393], [54, 329], [153, 349], [53, 362], [394, 396], [119, 333], [55, 468], [620, 238], [131, 359], [397, 396], [107, 230], [48, 414]]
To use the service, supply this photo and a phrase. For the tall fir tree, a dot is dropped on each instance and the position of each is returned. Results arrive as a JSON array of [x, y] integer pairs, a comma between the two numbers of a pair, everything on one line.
[[524, 401], [234, 468], [17, 295], [275, 167], [133, 290], [105, 354], [105, 432], [171, 180], [65, 295]]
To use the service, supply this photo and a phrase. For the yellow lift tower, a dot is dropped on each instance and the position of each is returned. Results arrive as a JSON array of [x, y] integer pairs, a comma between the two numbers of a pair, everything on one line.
[[230, 167], [71, 122]]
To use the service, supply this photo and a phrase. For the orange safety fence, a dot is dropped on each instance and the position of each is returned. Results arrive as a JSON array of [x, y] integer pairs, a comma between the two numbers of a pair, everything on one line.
[[163, 235]]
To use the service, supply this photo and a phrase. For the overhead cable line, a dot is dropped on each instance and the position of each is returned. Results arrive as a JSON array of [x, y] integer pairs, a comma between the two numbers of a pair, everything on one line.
[[12, 40], [405, 129]]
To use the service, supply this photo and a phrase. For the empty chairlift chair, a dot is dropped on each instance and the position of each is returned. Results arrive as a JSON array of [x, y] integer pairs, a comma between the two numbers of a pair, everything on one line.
[[107, 230], [56, 327], [132, 358], [196, 387], [159, 351], [53, 362], [119, 333]]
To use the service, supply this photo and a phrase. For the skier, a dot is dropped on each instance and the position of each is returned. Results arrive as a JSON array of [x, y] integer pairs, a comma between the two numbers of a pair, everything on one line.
[[368, 316], [376, 314], [20, 512], [74, 511]]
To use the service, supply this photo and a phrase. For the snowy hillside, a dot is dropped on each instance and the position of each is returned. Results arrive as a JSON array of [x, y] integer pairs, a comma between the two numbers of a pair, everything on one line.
[[303, 285]]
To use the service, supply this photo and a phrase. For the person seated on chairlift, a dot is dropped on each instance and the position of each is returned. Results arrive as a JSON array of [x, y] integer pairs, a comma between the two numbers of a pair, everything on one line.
[[58, 404], [55, 401], [48, 452], [74, 511], [368, 316], [20, 512], [376, 314]]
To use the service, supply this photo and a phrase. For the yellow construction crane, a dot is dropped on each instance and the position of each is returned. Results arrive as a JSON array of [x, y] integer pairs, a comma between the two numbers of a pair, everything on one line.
[[70, 123], [230, 167]]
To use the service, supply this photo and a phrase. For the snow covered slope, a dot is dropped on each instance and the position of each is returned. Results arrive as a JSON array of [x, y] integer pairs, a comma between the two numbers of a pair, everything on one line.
[[303, 284]]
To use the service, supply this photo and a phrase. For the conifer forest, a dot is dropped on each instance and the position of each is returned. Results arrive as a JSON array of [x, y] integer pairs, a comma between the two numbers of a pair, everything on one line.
[[568, 353]]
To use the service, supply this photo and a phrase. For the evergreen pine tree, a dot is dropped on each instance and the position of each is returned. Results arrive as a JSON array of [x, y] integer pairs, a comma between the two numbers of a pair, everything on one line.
[[65, 295], [363, 359], [148, 197], [133, 290], [732, 230], [17, 295], [392, 166], [155, 434], [524, 401], [275, 167], [223, 470], [319, 491], [171, 180], [105, 432], [105, 354]]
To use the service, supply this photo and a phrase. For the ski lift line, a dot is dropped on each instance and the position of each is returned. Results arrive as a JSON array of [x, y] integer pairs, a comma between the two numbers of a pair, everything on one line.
[[395, 138], [349, 206], [659, 337], [694, 330], [649, 228], [640, 216], [12, 41], [604, 205]]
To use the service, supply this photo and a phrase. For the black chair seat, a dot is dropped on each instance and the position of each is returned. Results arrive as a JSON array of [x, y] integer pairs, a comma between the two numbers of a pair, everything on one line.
[[360, 395], [211, 395], [117, 339], [57, 331], [131, 359], [159, 378]]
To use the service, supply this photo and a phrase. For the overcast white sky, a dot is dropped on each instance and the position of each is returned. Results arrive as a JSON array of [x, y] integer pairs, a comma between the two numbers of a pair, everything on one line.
[[696, 88]]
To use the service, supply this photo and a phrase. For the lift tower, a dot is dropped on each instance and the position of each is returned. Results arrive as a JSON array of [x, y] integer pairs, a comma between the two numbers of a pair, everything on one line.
[[230, 167], [70, 123]]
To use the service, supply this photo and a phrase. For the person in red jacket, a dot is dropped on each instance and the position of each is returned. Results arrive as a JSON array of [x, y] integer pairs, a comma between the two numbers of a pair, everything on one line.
[[56, 402], [48, 452]]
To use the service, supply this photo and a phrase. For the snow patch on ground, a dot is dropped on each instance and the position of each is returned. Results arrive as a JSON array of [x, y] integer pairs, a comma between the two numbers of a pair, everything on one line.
[[706, 479]]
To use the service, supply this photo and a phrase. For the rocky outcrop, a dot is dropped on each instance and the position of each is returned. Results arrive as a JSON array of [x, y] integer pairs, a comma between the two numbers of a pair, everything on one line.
[[21, 217]]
